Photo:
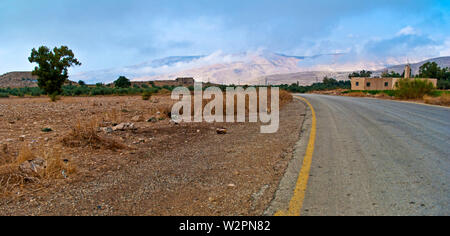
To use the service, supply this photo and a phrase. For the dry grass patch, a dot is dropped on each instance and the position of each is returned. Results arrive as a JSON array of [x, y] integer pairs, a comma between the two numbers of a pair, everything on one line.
[[85, 134], [24, 169], [443, 100], [356, 94]]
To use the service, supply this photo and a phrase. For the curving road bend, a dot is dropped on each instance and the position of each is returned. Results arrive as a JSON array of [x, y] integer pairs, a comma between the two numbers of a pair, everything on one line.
[[379, 157]]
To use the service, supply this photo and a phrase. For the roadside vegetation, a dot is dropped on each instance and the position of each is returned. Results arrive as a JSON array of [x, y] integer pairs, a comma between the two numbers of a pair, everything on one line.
[[327, 84], [432, 70]]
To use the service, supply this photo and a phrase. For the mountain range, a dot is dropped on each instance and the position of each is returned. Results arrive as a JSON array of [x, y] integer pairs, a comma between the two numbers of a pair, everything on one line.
[[218, 67], [252, 68], [441, 61]]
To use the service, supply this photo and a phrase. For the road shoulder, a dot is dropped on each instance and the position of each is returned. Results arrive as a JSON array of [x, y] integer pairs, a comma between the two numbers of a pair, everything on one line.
[[289, 181]]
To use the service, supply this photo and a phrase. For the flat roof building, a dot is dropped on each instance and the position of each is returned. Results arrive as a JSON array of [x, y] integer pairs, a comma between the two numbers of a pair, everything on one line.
[[365, 83]]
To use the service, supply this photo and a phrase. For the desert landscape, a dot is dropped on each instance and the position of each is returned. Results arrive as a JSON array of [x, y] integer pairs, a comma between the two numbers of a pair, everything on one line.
[[121, 155]]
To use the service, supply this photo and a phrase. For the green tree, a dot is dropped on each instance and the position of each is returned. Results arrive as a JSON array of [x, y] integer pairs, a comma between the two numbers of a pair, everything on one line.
[[327, 80], [432, 70], [362, 73], [81, 83], [429, 70], [122, 82], [52, 69], [391, 74]]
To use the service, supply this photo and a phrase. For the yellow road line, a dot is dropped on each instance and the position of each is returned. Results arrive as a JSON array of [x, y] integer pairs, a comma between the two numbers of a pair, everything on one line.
[[296, 203]]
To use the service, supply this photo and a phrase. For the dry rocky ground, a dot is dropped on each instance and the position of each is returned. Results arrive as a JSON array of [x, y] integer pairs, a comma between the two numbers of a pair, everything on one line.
[[148, 167]]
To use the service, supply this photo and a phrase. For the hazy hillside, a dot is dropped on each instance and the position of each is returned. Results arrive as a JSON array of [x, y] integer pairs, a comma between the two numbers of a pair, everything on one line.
[[237, 69], [303, 78], [18, 80], [441, 61]]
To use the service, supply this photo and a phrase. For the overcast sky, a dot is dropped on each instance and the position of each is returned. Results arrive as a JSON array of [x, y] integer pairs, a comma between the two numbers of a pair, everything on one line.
[[115, 33]]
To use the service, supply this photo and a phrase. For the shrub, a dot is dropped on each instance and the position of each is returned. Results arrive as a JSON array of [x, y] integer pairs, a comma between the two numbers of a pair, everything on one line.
[[54, 97], [413, 88], [4, 95], [146, 95], [443, 100], [122, 82]]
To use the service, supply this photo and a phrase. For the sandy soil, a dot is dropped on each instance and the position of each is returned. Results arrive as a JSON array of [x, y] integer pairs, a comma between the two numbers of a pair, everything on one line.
[[164, 169]]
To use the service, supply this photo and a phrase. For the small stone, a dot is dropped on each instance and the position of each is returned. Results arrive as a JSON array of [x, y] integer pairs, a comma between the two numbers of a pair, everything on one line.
[[22, 138], [47, 130], [153, 120], [231, 185], [221, 131], [33, 166], [124, 126], [107, 130]]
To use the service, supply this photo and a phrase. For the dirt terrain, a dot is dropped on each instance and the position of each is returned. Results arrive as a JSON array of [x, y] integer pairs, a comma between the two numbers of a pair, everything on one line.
[[154, 167]]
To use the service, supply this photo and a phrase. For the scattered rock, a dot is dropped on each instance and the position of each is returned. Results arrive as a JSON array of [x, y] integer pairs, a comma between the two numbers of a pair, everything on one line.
[[123, 126], [153, 120], [107, 130], [34, 166], [138, 119], [221, 131], [22, 138], [231, 185], [46, 130]]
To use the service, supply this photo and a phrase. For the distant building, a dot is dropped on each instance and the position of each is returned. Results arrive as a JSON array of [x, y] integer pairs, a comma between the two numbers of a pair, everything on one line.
[[361, 83], [185, 81]]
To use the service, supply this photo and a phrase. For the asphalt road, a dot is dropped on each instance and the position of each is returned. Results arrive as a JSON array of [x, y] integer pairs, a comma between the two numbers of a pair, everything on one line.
[[378, 157]]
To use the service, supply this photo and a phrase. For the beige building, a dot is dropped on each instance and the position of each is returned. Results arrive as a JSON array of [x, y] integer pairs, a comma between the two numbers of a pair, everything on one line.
[[360, 83]]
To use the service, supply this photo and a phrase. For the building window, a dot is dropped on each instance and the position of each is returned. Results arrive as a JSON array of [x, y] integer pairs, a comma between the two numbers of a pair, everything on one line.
[[386, 84], [368, 84], [357, 83]]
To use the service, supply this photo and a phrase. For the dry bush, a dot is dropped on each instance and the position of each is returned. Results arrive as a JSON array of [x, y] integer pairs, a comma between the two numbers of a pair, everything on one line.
[[356, 94], [55, 167], [165, 110], [382, 95], [86, 135], [113, 116], [11, 178], [285, 97], [443, 100], [5, 158], [25, 154]]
